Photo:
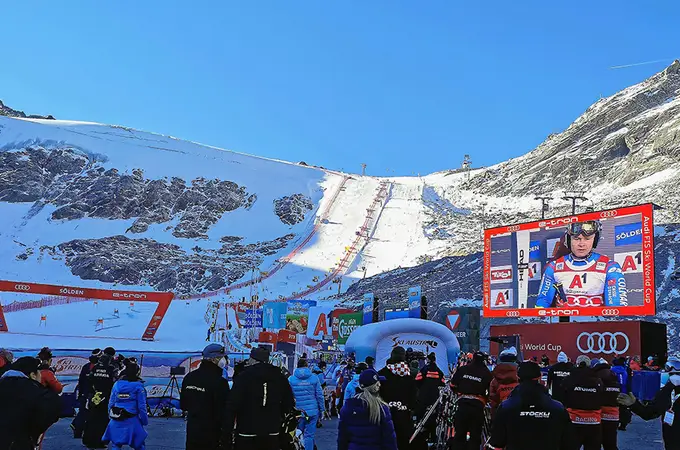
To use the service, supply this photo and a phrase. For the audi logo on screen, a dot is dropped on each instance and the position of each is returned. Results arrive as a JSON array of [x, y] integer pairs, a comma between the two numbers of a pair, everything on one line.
[[605, 342], [606, 214], [512, 313], [22, 287], [611, 312]]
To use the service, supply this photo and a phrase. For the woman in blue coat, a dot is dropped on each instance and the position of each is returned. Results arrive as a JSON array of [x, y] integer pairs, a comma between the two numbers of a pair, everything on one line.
[[127, 411], [309, 398], [365, 420]]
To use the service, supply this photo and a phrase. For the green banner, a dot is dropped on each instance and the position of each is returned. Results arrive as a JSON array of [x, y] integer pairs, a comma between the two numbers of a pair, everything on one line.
[[348, 323]]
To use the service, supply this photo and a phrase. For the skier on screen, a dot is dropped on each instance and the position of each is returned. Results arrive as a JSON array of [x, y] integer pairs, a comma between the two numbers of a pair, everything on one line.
[[582, 278]]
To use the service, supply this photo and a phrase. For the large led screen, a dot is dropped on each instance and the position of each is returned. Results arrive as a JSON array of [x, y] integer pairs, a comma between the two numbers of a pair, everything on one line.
[[593, 264]]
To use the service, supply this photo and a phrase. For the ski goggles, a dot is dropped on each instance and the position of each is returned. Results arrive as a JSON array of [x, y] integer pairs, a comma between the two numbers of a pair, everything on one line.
[[673, 365], [584, 228]]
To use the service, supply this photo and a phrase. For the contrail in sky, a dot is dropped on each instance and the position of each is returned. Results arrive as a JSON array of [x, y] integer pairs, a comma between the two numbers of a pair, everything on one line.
[[639, 64]]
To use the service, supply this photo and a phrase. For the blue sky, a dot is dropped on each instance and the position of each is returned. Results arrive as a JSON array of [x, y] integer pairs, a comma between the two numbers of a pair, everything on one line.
[[404, 86]]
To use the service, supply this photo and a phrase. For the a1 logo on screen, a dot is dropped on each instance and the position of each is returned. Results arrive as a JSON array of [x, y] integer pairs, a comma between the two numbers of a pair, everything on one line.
[[630, 262], [502, 298]]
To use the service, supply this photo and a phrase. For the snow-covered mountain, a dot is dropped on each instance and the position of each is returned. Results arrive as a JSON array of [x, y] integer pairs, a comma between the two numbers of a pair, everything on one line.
[[91, 205]]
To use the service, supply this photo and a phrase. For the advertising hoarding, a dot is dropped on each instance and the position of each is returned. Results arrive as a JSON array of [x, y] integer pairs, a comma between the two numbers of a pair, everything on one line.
[[348, 323], [414, 302], [297, 315], [368, 308], [594, 264], [319, 322], [274, 316]]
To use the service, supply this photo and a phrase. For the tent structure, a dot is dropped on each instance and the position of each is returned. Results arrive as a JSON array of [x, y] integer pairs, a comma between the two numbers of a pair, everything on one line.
[[378, 340]]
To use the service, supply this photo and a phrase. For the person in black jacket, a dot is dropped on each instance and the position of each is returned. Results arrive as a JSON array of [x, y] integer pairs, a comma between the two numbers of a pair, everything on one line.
[[204, 396], [27, 408], [471, 382], [529, 419], [398, 390], [583, 395], [100, 383], [83, 389], [260, 398], [666, 405], [610, 406], [428, 381], [557, 374]]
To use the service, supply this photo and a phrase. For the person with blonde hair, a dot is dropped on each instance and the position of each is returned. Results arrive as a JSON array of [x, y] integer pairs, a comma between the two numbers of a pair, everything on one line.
[[365, 420]]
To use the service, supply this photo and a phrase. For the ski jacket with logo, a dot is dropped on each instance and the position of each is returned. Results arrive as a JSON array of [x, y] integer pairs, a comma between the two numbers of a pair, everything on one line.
[[556, 375], [472, 381], [504, 381], [611, 390], [428, 381], [131, 397], [204, 396], [622, 374], [594, 281], [667, 399], [100, 380], [307, 391], [530, 420], [258, 401], [357, 432], [583, 396]]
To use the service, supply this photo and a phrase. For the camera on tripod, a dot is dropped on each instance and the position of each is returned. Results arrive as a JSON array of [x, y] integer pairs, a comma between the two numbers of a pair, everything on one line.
[[178, 371]]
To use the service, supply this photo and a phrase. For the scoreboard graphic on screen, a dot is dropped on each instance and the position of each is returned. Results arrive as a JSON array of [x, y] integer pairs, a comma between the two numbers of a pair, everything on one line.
[[593, 264]]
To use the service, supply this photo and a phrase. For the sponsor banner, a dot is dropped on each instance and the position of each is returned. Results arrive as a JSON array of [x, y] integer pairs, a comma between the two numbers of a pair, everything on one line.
[[502, 298], [274, 315], [501, 274], [593, 339], [253, 318], [522, 239], [320, 322], [628, 234], [414, 302], [287, 336], [334, 319], [630, 262], [401, 313], [347, 323], [465, 323], [535, 251], [297, 316], [268, 337], [368, 308], [419, 342]]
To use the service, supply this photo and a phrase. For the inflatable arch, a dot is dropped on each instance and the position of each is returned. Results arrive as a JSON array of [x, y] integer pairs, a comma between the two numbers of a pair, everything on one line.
[[378, 340]]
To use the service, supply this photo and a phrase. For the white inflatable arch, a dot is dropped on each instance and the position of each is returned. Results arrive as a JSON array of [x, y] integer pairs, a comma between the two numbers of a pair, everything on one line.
[[378, 340]]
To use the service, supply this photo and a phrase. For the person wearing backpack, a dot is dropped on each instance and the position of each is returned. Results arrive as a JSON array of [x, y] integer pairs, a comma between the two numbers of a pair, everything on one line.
[[127, 411]]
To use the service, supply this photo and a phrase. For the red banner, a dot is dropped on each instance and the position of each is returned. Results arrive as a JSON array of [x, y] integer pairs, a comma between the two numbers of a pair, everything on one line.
[[287, 336], [162, 298]]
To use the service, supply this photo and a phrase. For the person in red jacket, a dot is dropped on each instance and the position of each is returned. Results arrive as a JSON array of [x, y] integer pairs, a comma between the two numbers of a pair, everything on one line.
[[610, 404], [504, 378], [47, 377]]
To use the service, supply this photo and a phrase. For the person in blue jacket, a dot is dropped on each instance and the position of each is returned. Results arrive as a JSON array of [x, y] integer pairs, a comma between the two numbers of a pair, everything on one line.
[[353, 386], [365, 420], [127, 411], [623, 374], [308, 398]]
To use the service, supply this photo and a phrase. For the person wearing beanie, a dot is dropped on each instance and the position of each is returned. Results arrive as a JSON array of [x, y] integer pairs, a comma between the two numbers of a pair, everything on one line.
[[100, 382], [398, 390], [428, 381], [353, 386], [260, 397], [28, 408], [504, 378], [610, 405], [47, 377], [529, 419], [6, 358], [556, 375], [82, 389], [203, 397], [583, 397], [472, 383], [127, 410], [308, 398]]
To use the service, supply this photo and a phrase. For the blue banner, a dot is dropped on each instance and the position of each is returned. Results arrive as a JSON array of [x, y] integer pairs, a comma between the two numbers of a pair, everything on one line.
[[414, 302], [628, 234], [275, 315], [253, 318], [535, 251], [368, 308], [396, 314]]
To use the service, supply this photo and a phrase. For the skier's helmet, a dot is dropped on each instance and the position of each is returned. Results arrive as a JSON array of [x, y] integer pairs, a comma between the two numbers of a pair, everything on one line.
[[587, 228], [673, 365]]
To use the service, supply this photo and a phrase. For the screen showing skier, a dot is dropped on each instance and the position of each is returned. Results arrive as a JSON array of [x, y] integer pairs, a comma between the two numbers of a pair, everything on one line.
[[594, 264]]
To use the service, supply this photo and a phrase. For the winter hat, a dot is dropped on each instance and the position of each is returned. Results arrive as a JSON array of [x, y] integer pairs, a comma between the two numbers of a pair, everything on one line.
[[110, 351], [562, 357], [528, 371], [45, 354], [368, 378], [26, 365], [260, 354], [432, 357], [509, 355], [479, 357], [213, 351], [582, 361], [132, 371], [398, 354], [594, 362]]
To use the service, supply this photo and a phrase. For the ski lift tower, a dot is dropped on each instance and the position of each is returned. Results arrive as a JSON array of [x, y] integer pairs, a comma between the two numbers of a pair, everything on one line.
[[574, 197], [545, 207], [467, 165]]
